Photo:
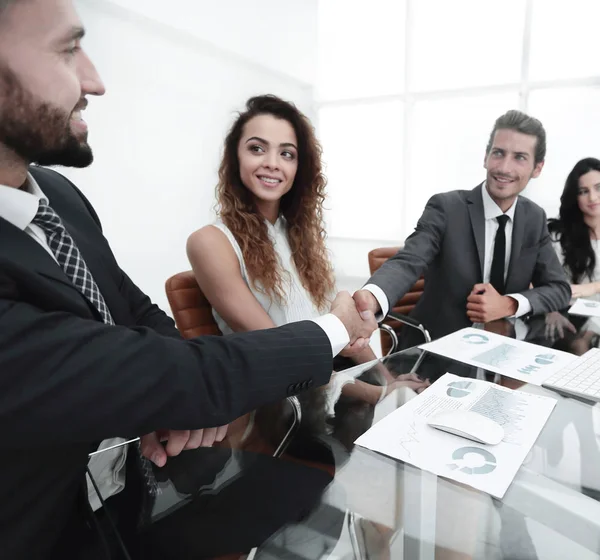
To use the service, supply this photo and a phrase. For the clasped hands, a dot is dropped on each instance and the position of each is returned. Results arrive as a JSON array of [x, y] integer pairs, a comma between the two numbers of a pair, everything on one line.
[[357, 313], [485, 304]]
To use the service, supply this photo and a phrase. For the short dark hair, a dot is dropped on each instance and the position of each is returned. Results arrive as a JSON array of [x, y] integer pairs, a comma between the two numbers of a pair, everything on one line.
[[520, 122]]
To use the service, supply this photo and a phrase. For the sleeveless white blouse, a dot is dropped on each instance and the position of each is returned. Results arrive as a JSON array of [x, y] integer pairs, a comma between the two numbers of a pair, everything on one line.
[[297, 305]]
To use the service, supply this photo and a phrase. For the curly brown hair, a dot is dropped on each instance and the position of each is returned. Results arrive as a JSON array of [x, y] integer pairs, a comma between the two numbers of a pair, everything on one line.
[[302, 207]]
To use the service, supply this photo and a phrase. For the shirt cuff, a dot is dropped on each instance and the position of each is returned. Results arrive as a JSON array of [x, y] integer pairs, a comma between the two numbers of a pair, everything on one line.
[[523, 305], [521, 329], [336, 332], [381, 300]]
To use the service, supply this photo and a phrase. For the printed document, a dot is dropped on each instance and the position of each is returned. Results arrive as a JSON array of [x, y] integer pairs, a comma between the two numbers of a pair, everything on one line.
[[520, 360], [405, 435], [585, 307]]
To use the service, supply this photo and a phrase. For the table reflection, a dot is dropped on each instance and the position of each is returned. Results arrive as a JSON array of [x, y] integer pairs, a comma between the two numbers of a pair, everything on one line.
[[327, 498]]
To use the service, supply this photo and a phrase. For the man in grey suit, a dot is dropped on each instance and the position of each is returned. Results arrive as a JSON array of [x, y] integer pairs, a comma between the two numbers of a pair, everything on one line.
[[485, 253]]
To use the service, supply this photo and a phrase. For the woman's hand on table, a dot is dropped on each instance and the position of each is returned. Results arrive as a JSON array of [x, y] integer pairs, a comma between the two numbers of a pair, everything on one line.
[[585, 290]]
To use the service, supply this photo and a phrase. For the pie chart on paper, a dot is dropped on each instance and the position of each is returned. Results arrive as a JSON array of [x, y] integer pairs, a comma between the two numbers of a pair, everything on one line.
[[476, 338], [459, 389]]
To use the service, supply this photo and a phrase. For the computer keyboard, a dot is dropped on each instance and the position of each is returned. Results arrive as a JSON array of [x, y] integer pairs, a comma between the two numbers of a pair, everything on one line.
[[580, 378]]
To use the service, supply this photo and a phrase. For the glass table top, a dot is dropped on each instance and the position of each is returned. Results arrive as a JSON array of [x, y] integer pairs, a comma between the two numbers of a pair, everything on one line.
[[328, 498]]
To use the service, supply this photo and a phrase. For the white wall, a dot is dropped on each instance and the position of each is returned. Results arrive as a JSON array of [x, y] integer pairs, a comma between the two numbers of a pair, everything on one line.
[[281, 36], [158, 132]]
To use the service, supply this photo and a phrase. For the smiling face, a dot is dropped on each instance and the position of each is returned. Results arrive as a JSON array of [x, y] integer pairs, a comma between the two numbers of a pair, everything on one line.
[[268, 159], [588, 194], [510, 164], [44, 79]]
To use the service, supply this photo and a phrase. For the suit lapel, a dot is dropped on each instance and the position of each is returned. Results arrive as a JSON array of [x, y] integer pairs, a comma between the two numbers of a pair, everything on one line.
[[518, 234], [17, 246], [477, 215]]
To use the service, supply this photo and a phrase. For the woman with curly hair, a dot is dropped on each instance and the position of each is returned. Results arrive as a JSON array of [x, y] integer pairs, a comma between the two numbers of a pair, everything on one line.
[[264, 262]]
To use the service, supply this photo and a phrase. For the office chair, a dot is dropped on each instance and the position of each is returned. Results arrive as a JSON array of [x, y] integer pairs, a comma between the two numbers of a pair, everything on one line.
[[398, 315], [193, 316]]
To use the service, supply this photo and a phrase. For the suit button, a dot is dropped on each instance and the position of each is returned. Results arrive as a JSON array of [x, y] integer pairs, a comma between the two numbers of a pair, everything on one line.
[[291, 389], [309, 383]]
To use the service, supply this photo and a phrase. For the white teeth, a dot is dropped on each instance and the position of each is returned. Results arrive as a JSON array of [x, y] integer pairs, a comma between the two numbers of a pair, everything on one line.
[[269, 180]]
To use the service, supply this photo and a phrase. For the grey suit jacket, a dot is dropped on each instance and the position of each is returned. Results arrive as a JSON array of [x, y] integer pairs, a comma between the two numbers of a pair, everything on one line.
[[448, 247]]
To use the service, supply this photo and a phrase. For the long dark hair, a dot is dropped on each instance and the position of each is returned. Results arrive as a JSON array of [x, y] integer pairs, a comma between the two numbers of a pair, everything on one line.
[[571, 230]]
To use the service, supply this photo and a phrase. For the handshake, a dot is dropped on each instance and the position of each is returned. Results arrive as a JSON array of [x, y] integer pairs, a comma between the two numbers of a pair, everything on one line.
[[357, 313]]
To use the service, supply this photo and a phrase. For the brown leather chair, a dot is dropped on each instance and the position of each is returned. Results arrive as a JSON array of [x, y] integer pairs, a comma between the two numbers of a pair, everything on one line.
[[193, 316], [398, 315], [191, 310]]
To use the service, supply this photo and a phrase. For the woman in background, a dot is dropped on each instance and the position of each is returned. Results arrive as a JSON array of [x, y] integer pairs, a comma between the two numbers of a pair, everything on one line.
[[264, 262], [576, 233], [576, 238]]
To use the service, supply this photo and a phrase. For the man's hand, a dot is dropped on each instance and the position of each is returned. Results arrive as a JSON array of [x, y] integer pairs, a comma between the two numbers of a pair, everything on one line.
[[178, 441], [360, 326], [485, 304], [366, 301]]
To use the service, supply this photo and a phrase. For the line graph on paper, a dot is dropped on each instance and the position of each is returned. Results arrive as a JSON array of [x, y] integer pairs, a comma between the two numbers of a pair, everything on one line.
[[409, 438], [507, 409], [499, 356]]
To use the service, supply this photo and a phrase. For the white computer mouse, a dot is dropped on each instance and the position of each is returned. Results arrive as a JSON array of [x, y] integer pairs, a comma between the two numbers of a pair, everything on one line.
[[468, 424]]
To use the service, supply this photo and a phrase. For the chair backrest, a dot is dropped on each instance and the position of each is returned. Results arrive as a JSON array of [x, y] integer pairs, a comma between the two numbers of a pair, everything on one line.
[[193, 316], [407, 303], [191, 310]]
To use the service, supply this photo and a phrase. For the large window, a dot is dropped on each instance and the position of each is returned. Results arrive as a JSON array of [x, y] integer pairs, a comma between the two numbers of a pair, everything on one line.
[[409, 90]]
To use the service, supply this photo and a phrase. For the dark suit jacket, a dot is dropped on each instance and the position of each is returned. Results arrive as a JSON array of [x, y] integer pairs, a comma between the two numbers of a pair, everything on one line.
[[448, 246], [67, 380]]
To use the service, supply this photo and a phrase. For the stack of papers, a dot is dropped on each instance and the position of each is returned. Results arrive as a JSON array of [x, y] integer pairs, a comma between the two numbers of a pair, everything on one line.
[[520, 360], [405, 435]]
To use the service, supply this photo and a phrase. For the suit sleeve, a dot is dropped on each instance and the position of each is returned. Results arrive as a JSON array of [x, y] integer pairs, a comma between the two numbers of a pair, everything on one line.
[[551, 290], [66, 379], [146, 313], [399, 273]]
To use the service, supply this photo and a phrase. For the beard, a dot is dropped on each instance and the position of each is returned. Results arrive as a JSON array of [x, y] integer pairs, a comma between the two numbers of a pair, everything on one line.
[[38, 132]]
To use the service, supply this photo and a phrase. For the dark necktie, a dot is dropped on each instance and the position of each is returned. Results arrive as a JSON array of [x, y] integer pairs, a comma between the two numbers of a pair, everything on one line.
[[69, 258], [499, 257], [71, 261]]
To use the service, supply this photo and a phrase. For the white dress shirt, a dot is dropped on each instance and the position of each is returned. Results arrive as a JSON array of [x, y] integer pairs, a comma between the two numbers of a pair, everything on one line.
[[491, 211], [19, 207]]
